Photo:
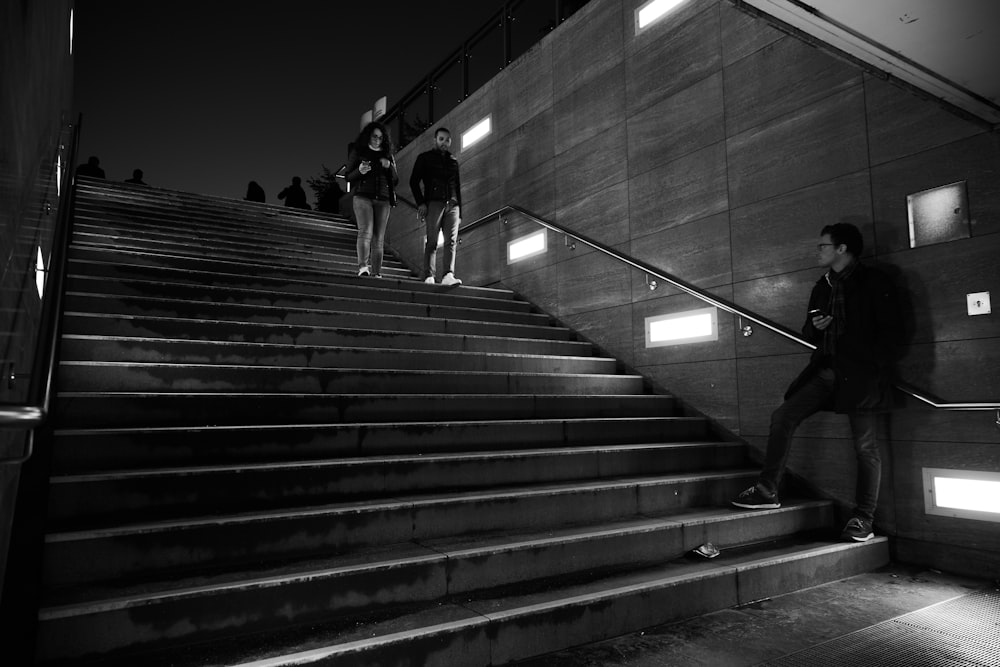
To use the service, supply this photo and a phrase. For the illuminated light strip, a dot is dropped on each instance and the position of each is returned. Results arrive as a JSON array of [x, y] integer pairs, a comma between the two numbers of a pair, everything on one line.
[[477, 132], [692, 326], [966, 494], [526, 246], [652, 11]]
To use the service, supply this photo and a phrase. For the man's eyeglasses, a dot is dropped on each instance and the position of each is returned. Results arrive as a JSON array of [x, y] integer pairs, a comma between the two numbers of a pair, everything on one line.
[[820, 246]]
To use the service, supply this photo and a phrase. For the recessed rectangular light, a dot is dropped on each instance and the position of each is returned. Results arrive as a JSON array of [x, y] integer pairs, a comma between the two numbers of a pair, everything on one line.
[[477, 132], [652, 11], [966, 494], [526, 246], [691, 326]]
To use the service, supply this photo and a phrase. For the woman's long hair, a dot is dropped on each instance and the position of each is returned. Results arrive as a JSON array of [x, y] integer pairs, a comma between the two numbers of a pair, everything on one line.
[[364, 139]]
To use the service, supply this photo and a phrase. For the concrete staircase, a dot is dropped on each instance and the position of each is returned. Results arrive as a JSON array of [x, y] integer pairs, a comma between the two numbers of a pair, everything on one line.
[[263, 459]]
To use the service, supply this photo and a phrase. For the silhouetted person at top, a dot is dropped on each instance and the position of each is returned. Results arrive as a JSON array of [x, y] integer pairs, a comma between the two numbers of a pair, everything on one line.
[[136, 178], [294, 195], [91, 169], [256, 193]]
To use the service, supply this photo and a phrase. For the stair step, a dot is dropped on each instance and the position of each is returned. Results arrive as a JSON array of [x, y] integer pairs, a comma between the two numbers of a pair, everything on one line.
[[134, 494], [188, 299], [138, 409], [555, 341], [90, 450], [162, 283], [100, 620], [164, 350], [157, 547], [432, 319], [499, 630], [262, 268]]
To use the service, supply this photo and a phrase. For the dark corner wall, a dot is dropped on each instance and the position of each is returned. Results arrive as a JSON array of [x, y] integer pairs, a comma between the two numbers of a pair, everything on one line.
[[716, 147], [36, 86]]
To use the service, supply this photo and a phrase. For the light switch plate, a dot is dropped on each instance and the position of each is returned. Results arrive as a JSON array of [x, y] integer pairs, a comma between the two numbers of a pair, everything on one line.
[[979, 303]]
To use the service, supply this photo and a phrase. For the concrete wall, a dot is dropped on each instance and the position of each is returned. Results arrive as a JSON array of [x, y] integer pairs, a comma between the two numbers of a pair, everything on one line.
[[36, 77], [715, 146]]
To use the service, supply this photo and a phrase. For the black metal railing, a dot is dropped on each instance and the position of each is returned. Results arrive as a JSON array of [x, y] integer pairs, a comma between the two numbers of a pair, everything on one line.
[[723, 304], [510, 32], [33, 413]]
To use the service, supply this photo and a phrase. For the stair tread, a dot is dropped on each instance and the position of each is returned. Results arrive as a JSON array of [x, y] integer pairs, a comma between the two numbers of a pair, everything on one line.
[[91, 599], [303, 645], [430, 458], [397, 502]]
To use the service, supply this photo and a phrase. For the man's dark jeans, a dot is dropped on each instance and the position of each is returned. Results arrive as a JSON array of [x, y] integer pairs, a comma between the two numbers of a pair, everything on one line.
[[807, 401]]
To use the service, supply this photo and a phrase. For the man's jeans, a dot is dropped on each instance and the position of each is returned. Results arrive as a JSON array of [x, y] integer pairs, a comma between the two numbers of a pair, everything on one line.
[[807, 401], [447, 221], [373, 218]]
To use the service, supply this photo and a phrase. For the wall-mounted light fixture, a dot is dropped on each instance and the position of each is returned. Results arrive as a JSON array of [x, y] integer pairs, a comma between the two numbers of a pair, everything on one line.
[[40, 272], [71, 32], [653, 11], [690, 326], [526, 246], [939, 214], [966, 494], [477, 132]]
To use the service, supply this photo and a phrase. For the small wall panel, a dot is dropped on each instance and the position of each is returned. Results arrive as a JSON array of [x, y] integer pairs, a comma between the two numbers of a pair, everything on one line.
[[680, 124], [901, 124], [526, 88], [780, 234], [933, 283], [586, 46], [814, 144], [591, 166], [743, 34], [698, 252], [601, 215], [589, 110], [783, 299], [708, 386], [527, 146], [779, 79], [593, 282], [962, 370], [534, 189], [678, 192], [610, 328], [678, 56], [975, 160]]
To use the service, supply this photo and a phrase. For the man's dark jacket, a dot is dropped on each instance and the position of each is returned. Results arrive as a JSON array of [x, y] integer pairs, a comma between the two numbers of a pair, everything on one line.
[[439, 172], [866, 350]]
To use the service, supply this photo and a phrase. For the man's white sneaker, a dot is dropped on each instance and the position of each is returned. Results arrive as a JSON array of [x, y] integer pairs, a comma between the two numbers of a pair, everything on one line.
[[450, 279], [363, 271], [429, 280]]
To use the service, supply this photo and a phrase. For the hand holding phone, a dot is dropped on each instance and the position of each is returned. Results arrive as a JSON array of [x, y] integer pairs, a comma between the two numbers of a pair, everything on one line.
[[817, 312]]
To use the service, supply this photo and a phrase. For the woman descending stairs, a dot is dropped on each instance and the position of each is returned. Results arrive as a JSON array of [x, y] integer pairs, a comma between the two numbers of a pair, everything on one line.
[[262, 459]]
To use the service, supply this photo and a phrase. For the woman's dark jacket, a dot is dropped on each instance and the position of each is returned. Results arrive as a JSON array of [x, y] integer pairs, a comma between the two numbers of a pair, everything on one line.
[[380, 182], [866, 350], [439, 172]]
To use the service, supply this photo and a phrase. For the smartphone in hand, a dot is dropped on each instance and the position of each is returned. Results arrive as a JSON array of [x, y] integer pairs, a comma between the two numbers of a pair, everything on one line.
[[816, 312]]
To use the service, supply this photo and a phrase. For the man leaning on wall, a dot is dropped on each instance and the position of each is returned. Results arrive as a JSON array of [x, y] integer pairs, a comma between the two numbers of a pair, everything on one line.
[[854, 320]]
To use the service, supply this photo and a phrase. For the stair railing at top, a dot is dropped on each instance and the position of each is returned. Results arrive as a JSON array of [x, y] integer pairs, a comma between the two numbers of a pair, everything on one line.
[[33, 414], [698, 293]]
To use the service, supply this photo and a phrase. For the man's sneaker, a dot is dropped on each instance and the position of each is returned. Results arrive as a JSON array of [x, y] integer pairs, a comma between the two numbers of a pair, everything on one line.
[[450, 279], [858, 529], [363, 271], [429, 280], [756, 499]]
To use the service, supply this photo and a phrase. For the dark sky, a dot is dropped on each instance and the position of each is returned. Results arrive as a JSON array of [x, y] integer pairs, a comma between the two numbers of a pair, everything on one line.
[[206, 95]]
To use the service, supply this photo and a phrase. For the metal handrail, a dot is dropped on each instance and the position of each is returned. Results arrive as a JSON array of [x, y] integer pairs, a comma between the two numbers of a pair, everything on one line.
[[33, 414], [718, 302]]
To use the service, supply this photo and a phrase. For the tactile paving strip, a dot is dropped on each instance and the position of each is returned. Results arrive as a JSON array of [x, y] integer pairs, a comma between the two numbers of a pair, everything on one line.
[[964, 632]]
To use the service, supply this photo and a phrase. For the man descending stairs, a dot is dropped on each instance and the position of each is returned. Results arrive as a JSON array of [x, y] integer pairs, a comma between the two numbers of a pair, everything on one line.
[[261, 458]]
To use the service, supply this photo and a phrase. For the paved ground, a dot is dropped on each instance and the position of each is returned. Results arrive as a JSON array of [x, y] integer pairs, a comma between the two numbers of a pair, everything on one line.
[[773, 628]]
